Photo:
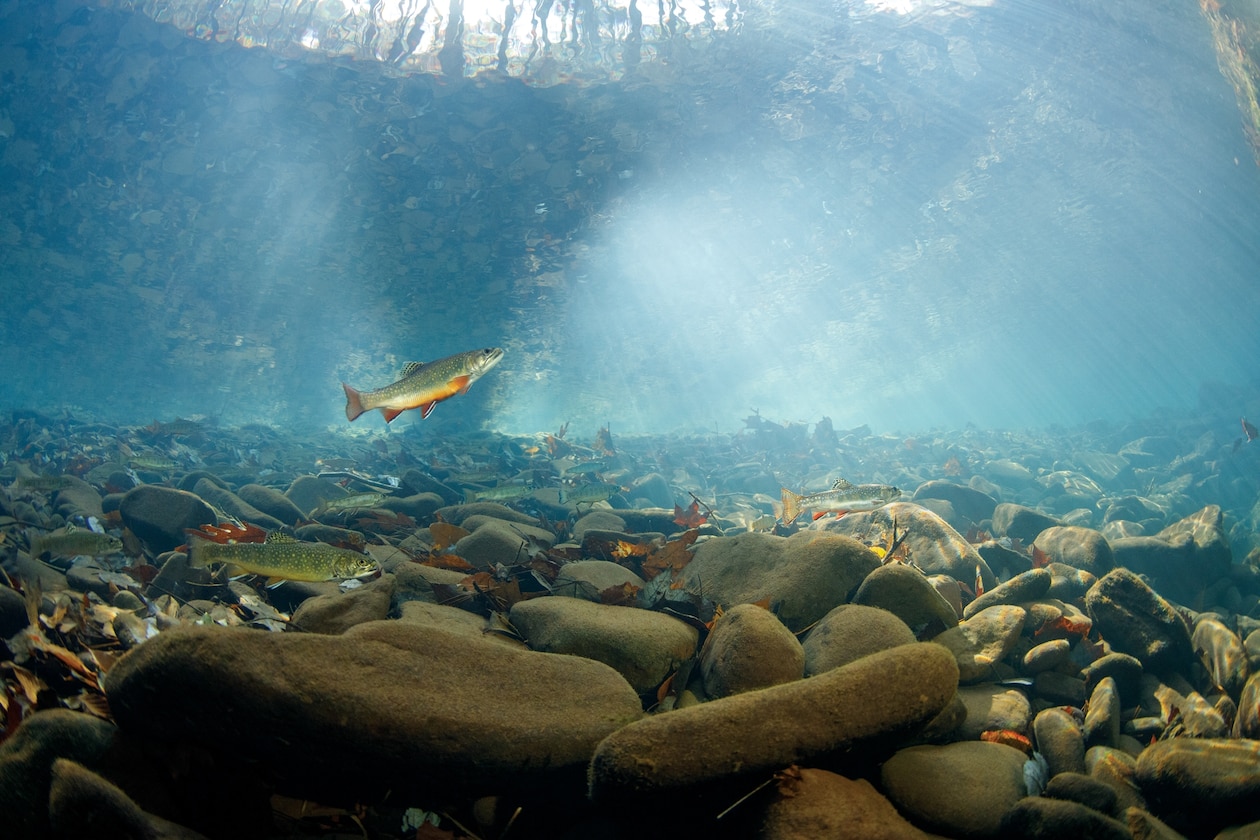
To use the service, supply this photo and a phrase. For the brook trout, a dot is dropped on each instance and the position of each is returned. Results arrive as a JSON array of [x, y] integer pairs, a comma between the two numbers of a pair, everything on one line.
[[841, 498], [424, 384]]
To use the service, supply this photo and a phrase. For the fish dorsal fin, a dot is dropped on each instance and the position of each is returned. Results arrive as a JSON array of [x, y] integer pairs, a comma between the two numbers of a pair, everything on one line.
[[410, 368], [279, 537], [841, 484]]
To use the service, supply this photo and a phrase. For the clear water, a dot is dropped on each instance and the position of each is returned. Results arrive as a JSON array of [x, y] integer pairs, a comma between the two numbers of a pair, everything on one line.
[[908, 216]]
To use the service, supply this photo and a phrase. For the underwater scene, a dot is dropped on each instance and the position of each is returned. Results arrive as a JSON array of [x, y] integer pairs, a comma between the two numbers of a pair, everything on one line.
[[600, 419]]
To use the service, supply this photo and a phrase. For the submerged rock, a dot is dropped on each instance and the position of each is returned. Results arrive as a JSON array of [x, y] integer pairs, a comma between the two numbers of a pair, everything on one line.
[[1200, 786], [890, 693], [159, 515], [748, 649], [643, 646], [816, 804], [27, 759], [387, 706], [958, 790], [1135, 620], [903, 590], [848, 633], [804, 576]]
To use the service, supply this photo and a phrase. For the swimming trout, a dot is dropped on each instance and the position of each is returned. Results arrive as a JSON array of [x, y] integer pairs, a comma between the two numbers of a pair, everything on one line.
[[282, 558], [841, 498], [424, 384]]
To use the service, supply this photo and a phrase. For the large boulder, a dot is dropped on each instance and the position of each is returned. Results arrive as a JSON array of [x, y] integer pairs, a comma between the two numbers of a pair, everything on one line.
[[386, 706]]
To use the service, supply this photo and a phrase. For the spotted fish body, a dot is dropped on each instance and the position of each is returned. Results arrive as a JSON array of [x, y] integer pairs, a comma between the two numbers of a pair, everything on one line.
[[841, 498], [282, 558], [424, 384]]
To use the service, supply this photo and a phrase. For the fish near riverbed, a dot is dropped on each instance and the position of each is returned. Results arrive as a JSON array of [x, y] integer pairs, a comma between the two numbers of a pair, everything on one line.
[[281, 558], [424, 384], [843, 497]]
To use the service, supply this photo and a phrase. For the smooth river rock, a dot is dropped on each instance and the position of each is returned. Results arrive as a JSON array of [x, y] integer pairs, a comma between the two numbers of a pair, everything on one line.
[[386, 706], [750, 735], [643, 646]]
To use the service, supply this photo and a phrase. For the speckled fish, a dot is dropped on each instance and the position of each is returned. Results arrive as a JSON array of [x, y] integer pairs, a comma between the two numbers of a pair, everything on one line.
[[424, 384], [841, 498], [358, 501], [596, 491], [282, 558], [73, 541]]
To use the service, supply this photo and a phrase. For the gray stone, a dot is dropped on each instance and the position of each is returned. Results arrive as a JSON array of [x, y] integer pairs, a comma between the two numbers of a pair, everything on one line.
[[1041, 818], [1019, 522], [747, 649], [1059, 688], [1046, 656], [747, 736], [1201, 785], [235, 506], [1060, 740], [271, 502], [984, 640], [597, 520], [935, 546], [456, 514], [308, 492], [159, 515], [1028, 586], [993, 708], [78, 498], [902, 590], [335, 613], [588, 578], [1222, 654], [83, 804], [493, 543], [956, 790], [1118, 769], [643, 646], [27, 758], [811, 804], [970, 503], [848, 633], [1102, 715], [1247, 722], [1080, 548], [1086, 790], [1124, 669], [804, 576], [1137, 621], [388, 706]]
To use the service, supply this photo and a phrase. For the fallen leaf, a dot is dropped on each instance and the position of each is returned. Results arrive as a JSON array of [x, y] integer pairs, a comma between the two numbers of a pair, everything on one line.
[[673, 556], [452, 562], [445, 535], [619, 596], [689, 517]]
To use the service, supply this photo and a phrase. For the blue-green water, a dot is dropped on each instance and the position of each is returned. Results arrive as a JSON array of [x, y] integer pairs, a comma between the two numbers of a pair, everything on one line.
[[914, 217]]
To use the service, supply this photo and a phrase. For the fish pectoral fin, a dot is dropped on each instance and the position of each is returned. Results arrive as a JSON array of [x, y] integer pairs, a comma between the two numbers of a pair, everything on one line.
[[427, 409], [462, 383], [273, 582], [391, 413]]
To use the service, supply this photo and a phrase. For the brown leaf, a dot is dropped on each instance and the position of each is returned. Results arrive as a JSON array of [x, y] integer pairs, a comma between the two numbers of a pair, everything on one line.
[[619, 596], [452, 562], [689, 517], [30, 684], [445, 535], [673, 556]]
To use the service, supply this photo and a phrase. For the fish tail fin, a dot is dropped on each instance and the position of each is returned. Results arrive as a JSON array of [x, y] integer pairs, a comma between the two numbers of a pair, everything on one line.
[[197, 551], [36, 544], [791, 506], [354, 404]]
